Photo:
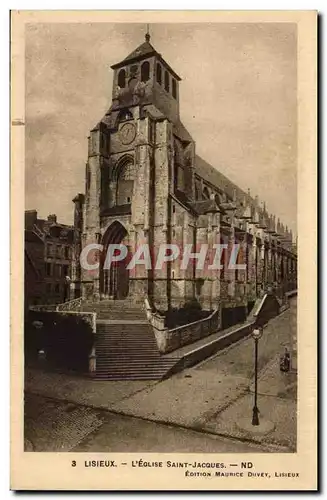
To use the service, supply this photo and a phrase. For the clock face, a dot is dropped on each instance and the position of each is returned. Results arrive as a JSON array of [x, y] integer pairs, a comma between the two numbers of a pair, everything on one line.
[[127, 133]]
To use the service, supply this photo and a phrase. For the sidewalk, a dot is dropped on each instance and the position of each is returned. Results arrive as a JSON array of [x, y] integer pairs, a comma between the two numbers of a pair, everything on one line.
[[276, 402], [83, 391], [211, 397]]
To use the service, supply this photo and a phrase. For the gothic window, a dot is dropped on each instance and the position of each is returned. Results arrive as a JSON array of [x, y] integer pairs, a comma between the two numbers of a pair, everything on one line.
[[104, 142], [159, 74], [167, 81], [206, 194], [122, 78], [174, 88], [145, 71], [223, 257], [125, 183]]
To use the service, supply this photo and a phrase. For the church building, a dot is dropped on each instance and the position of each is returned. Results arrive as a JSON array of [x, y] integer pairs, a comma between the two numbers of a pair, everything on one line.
[[145, 184]]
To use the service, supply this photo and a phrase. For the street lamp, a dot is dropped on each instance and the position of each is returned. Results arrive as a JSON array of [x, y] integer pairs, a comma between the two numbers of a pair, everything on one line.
[[256, 334]]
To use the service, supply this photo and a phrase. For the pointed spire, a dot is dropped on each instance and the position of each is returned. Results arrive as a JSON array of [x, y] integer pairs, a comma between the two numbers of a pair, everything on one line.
[[147, 35], [234, 195]]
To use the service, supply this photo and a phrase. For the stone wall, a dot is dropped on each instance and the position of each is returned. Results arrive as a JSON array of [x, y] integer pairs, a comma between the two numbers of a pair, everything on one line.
[[169, 340]]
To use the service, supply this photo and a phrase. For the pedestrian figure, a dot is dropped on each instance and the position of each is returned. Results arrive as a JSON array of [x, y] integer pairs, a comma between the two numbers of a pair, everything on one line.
[[285, 361]]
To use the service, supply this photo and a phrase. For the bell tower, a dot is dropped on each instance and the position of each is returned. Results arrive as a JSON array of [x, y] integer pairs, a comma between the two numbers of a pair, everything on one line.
[[145, 78], [139, 157]]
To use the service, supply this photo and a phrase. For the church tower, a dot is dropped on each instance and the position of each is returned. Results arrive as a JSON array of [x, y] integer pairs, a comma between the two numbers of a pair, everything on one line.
[[139, 156]]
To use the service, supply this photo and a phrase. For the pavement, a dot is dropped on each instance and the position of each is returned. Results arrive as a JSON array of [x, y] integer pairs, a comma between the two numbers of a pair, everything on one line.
[[211, 398], [55, 426]]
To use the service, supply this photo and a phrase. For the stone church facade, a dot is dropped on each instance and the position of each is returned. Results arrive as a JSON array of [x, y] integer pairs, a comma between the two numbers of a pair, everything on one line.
[[145, 184]]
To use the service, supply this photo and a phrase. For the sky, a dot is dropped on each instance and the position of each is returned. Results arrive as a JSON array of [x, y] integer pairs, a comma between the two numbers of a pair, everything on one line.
[[238, 100]]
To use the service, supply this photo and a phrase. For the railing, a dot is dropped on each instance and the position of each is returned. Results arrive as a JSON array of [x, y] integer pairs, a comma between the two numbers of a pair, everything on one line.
[[71, 305], [198, 329]]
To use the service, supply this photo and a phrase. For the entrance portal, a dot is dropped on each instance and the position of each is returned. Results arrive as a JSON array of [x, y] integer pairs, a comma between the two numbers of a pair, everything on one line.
[[114, 282]]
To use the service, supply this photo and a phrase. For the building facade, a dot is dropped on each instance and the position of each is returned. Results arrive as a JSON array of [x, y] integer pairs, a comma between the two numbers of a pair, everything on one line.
[[145, 184], [48, 259]]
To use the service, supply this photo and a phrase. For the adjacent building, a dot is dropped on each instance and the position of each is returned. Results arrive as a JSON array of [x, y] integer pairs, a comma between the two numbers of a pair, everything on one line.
[[48, 257]]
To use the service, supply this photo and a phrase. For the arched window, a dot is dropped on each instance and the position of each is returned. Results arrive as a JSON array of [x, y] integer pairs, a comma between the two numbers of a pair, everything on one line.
[[223, 258], [159, 73], [122, 78], [206, 194], [145, 71], [167, 81], [125, 183], [174, 88]]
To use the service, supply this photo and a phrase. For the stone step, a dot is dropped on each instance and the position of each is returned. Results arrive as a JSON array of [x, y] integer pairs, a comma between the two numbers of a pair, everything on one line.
[[129, 352], [115, 310]]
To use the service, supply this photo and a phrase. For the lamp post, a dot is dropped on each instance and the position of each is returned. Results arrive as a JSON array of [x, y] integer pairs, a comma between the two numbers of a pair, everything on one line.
[[256, 334]]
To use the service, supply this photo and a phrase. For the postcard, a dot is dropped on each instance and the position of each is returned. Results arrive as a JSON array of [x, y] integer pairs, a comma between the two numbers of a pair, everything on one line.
[[163, 250]]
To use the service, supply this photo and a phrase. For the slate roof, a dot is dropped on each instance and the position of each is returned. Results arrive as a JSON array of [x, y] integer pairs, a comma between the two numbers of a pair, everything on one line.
[[212, 175], [144, 51], [205, 206], [32, 237]]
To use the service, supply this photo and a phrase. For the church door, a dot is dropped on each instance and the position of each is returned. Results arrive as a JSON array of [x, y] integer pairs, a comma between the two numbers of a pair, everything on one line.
[[114, 282]]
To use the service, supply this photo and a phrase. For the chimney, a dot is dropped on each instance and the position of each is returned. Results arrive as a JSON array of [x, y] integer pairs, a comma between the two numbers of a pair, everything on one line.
[[30, 218], [52, 218]]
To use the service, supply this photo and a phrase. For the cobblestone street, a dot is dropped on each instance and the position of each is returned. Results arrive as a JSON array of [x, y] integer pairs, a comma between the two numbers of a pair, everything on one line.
[[60, 427], [54, 426]]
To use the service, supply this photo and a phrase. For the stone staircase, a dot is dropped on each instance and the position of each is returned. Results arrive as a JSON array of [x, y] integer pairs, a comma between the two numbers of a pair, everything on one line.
[[115, 310], [125, 346], [129, 352]]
